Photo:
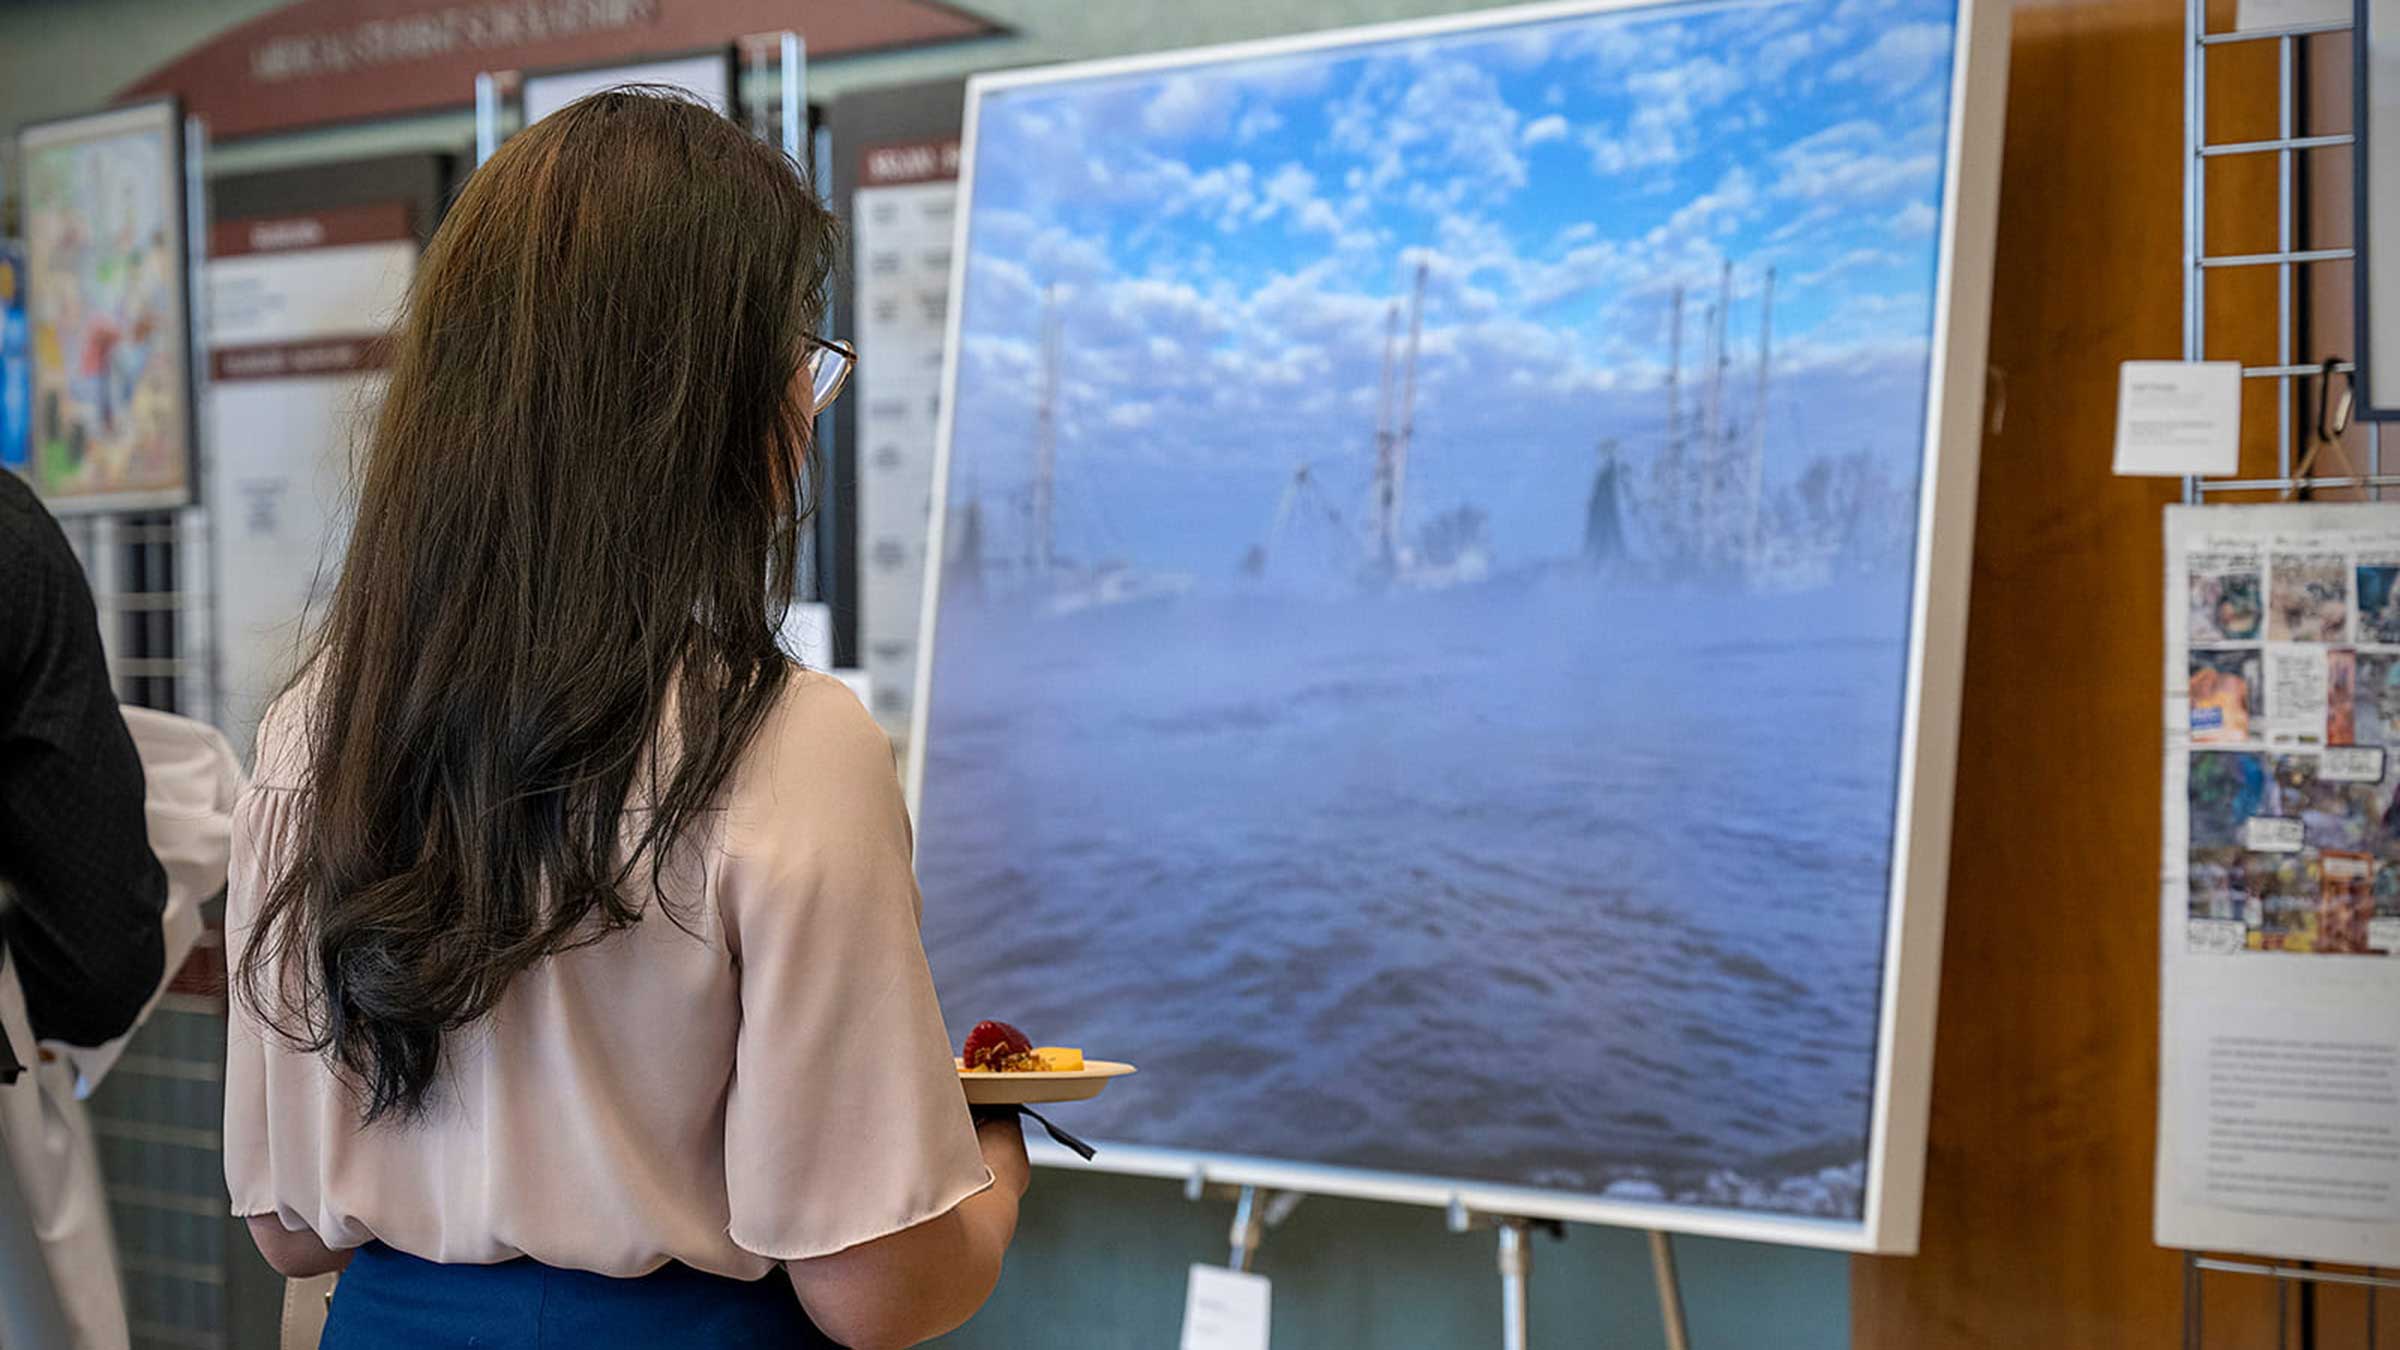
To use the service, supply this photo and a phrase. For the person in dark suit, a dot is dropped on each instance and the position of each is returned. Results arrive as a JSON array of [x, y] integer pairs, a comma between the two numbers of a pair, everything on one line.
[[82, 942], [80, 891]]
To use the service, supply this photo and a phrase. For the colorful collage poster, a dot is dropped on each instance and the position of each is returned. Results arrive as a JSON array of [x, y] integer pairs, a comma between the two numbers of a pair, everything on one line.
[[107, 297], [2280, 1123]]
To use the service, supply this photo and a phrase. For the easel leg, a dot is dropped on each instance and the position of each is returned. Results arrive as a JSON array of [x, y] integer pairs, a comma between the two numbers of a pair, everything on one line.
[[1249, 1229], [1670, 1291], [1516, 1261]]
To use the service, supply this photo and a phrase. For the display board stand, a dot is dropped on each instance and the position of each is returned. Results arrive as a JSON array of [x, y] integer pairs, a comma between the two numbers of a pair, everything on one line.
[[780, 57], [487, 116], [153, 579], [2292, 438], [786, 52], [150, 571], [1516, 1271], [1257, 1209], [2295, 474], [2304, 1278]]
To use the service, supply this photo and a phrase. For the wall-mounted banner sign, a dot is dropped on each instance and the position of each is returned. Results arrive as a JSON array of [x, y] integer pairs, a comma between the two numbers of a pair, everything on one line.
[[901, 226], [346, 60], [298, 304]]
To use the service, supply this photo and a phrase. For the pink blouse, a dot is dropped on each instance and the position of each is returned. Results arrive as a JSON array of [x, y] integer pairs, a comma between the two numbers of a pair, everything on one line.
[[773, 1084]]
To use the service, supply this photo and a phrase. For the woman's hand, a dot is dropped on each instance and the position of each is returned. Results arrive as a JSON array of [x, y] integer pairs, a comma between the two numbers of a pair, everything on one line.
[[1002, 1138]]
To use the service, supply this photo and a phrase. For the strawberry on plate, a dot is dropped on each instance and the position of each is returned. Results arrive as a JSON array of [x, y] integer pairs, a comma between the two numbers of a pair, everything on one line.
[[996, 1047]]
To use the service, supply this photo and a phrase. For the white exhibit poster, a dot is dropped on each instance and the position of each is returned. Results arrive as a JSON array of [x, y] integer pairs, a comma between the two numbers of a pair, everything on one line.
[[1450, 570], [2279, 1062], [706, 76], [298, 309], [903, 214]]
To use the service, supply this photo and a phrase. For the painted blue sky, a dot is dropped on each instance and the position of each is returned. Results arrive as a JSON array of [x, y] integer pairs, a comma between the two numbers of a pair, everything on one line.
[[1225, 241]]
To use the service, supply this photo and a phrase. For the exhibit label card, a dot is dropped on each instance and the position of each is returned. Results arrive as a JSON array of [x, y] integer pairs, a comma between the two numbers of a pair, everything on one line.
[[1225, 1310], [2179, 417], [2249, 16], [2279, 1110]]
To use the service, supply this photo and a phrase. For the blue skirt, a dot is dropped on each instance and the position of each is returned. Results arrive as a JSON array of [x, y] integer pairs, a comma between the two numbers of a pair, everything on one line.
[[389, 1300]]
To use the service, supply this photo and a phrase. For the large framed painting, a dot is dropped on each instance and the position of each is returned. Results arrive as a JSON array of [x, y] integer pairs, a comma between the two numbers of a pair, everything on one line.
[[1445, 644], [108, 303]]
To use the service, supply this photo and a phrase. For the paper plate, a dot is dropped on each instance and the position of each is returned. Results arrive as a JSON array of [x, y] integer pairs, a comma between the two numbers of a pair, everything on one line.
[[985, 1088]]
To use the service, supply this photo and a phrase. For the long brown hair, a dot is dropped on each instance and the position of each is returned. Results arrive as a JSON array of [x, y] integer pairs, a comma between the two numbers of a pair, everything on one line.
[[579, 503]]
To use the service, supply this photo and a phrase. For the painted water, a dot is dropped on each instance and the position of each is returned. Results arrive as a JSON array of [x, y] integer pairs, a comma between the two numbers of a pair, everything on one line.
[[1545, 881]]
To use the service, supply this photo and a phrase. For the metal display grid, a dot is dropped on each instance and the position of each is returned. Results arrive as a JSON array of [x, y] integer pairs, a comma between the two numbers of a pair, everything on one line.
[[2298, 442], [155, 1119], [2288, 145]]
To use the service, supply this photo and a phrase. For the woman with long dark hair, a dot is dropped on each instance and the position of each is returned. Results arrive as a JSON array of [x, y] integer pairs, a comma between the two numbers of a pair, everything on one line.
[[578, 992]]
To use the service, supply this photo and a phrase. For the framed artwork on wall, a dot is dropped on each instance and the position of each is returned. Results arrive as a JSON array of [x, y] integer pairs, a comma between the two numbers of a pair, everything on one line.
[[1445, 609], [108, 304]]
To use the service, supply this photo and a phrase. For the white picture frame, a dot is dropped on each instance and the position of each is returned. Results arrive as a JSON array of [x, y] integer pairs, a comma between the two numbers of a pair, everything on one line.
[[2376, 158], [1911, 940]]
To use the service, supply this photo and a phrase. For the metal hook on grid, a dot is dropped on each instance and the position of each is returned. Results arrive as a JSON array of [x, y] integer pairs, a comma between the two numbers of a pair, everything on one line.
[[2341, 415], [2329, 428]]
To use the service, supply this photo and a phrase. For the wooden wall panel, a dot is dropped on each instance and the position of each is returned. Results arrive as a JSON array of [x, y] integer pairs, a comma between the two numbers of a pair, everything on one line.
[[2038, 1187]]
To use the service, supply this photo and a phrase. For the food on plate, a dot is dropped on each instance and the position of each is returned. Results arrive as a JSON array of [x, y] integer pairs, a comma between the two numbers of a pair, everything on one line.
[[997, 1047]]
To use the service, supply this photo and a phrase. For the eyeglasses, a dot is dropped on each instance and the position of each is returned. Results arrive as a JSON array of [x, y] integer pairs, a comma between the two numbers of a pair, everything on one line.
[[828, 363]]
